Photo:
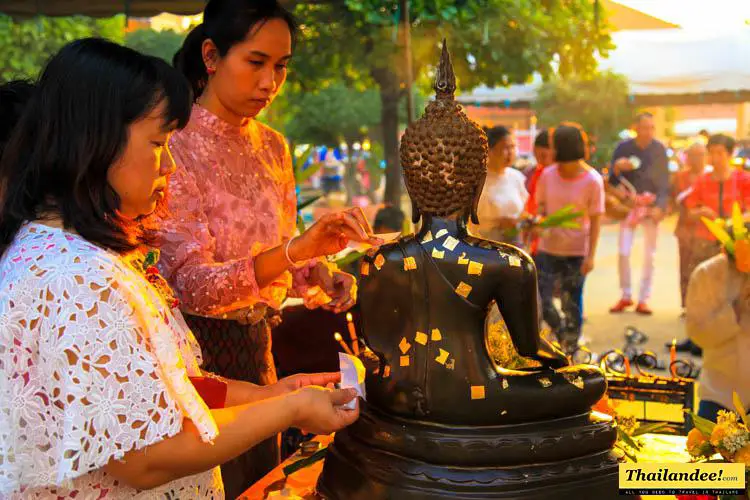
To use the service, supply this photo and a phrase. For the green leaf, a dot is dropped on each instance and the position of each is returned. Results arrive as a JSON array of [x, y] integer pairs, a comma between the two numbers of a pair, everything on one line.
[[305, 174], [706, 427], [650, 428], [305, 462], [349, 258], [301, 224], [624, 437], [304, 204], [628, 453]]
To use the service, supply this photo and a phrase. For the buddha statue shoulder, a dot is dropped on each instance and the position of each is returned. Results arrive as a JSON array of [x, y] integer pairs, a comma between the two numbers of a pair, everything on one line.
[[425, 298]]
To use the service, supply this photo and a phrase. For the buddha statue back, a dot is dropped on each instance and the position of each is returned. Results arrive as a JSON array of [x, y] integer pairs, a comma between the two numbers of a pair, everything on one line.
[[442, 419]]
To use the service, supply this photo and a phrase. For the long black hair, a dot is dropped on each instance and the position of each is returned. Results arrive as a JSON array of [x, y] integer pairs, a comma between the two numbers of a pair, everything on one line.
[[226, 23], [14, 96], [74, 129]]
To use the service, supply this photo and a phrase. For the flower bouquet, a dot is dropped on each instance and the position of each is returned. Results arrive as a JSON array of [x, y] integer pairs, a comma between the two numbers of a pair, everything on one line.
[[728, 438], [733, 235], [628, 428], [567, 218]]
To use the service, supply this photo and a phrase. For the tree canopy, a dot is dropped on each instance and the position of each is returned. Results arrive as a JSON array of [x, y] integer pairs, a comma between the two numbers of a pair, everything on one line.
[[493, 42]]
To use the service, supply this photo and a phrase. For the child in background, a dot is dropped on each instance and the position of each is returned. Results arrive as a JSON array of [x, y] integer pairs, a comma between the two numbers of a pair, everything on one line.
[[565, 256]]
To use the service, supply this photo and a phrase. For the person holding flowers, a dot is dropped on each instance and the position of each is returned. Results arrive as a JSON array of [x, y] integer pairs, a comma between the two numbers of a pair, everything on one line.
[[566, 254], [718, 317]]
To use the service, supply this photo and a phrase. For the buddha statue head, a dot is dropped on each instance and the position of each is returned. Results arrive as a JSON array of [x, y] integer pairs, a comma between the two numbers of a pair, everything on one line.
[[444, 154]]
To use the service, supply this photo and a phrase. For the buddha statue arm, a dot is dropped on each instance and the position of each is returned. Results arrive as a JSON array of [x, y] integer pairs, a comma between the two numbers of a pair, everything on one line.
[[516, 296]]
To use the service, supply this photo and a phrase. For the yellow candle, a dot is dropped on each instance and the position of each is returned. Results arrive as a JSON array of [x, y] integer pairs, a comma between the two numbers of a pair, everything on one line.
[[341, 342], [352, 333], [672, 357]]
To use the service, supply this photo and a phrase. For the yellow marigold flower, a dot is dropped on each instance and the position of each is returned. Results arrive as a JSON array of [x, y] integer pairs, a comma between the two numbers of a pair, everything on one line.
[[742, 456]]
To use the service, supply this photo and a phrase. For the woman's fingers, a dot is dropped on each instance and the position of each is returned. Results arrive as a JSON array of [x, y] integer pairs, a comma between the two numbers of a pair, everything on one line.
[[360, 216]]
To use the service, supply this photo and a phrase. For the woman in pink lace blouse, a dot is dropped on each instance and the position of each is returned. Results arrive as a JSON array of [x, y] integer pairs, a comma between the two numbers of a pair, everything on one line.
[[227, 246]]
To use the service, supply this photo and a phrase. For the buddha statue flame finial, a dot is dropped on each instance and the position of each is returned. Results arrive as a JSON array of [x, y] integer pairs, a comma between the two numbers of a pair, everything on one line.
[[444, 153], [445, 79]]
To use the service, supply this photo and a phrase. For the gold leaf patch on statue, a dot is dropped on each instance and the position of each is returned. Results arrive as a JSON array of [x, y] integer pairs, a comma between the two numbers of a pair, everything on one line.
[[463, 290], [475, 268], [379, 262], [451, 364], [514, 261], [463, 260], [421, 338], [404, 345], [504, 412], [427, 237], [545, 382], [443, 357], [477, 392], [410, 264], [404, 361], [436, 335], [486, 245], [505, 383], [365, 269], [450, 243], [576, 381], [438, 254], [441, 233], [387, 371]]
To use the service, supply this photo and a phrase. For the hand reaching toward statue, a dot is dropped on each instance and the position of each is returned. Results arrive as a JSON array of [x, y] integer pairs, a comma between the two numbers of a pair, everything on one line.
[[341, 287], [300, 380], [331, 234], [320, 411]]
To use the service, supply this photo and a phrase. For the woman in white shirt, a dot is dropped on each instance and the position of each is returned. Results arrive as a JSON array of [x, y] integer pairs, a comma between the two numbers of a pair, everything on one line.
[[96, 399], [504, 196]]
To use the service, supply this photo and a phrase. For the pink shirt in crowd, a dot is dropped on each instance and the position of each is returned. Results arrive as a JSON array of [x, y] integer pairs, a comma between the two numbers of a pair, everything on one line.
[[585, 192], [231, 197]]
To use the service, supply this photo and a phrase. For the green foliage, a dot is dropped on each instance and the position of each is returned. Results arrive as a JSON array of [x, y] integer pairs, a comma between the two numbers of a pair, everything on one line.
[[26, 46], [331, 115], [163, 44], [493, 42], [599, 102]]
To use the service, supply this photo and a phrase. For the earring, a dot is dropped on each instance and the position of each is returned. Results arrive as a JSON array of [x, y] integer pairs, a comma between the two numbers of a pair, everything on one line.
[[211, 70]]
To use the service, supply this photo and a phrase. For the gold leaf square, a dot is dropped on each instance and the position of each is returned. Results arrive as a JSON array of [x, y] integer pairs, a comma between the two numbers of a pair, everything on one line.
[[427, 237], [463, 260], [436, 335], [404, 361], [379, 262], [514, 261], [404, 345], [451, 364], [443, 357], [450, 243], [438, 254], [387, 371], [441, 233], [410, 264], [477, 392], [475, 268], [463, 290], [505, 383], [421, 338], [365, 269], [545, 382], [504, 412]]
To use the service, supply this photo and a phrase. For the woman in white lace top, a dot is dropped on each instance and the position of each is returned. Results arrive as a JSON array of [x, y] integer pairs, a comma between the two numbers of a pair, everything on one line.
[[96, 399]]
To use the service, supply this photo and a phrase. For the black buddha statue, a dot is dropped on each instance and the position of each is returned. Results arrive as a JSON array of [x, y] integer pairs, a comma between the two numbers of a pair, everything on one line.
[[442, 419]]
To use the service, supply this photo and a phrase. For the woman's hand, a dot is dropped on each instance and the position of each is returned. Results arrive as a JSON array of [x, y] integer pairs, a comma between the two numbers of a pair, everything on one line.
[[587, 266], [300, 380], [339, 286], [331, 234], [320, 411]]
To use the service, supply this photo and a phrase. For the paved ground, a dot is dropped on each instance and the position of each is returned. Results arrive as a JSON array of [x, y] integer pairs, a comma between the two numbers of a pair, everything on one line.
[[605, 331]]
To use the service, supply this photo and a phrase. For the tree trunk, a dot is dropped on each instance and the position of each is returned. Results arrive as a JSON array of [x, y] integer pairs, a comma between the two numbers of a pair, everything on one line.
[[350, 177], [389, 98]]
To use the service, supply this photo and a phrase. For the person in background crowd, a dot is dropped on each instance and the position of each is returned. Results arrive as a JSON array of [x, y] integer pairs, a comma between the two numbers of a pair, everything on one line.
[[504, 196], [718, 321], [96, 363], [228, 246], [389, 219], [566, 256], [544, 155], [642, 162]]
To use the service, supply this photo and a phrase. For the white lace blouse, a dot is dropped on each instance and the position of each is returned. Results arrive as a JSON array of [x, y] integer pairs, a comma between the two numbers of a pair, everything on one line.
[[93, 364]]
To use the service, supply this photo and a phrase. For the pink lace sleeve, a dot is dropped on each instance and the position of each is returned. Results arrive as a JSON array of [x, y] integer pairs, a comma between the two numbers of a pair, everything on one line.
[[203, 285]]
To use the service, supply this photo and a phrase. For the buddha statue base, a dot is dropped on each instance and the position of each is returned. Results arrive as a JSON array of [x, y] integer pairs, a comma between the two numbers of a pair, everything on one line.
[[385, 457]]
